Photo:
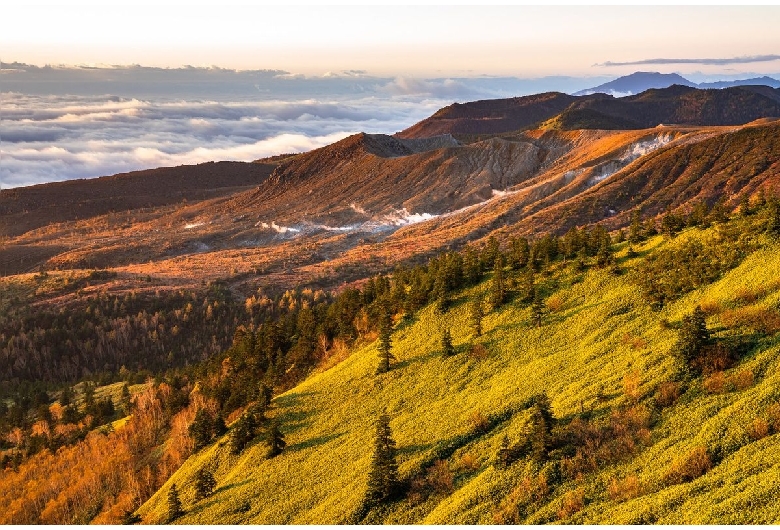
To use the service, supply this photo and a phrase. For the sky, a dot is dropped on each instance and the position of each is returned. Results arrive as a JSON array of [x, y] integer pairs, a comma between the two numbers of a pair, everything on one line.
[[167, 83], [429, 41]]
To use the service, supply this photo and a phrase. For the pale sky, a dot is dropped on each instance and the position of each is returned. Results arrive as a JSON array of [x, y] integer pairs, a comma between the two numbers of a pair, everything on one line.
[[430, 41]]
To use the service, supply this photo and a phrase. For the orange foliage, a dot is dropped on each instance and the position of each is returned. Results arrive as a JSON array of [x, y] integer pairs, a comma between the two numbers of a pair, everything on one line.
[[99, 479], [623, 490]]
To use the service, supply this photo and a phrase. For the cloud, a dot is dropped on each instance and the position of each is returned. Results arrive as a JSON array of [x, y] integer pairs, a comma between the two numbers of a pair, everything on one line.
[[438, 88], [717, 62]]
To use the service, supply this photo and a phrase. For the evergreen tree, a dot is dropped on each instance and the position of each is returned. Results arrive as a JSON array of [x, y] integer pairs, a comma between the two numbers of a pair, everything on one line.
[[447, 348], [201, 429], [385, 340], [174, 504], [204, 483], [472, 272], [538, 309], [242, 432], [540, 427], [498, 287], [773, 220], [476, 313], [635, 229], [275, 440], [505, 453], [692, 338], [744, 205], [383, 482], [604, 256]]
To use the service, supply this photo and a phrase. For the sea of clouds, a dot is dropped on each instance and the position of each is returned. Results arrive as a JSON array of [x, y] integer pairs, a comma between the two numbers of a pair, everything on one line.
[[67, 123]]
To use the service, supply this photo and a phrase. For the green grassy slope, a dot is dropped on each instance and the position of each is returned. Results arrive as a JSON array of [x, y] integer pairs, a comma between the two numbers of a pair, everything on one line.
[[600, 333]]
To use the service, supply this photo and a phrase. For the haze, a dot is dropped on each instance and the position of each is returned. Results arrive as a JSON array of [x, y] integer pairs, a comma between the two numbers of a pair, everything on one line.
[[400, 40]]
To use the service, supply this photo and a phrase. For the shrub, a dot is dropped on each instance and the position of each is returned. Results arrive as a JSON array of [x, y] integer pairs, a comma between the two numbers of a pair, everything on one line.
[[623, 490], [478, 351], [667, 393], [715, 383], [478, 421], [773, 417], [691, 467], [514, 507], [758, 429], [555, 303], [742, 379], [573, 502]]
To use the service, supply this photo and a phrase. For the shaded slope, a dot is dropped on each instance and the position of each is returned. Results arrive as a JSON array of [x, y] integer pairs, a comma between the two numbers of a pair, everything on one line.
[[677, 104], [23, 209], [492, 116]]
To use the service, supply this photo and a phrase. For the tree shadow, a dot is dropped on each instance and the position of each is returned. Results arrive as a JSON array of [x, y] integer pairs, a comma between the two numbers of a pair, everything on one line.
[[313, 442]]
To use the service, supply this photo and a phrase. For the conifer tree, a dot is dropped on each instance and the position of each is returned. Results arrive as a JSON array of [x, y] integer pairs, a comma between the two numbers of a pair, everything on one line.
[[635, 229], [201, 429], [505, 453], [498, 287], [383, 482], [174, 504], [476, 313], [692, 338], [275, 440], [447, 348], [537, 309], [242, 432], [773, 214], [385, 340], [204, 483]]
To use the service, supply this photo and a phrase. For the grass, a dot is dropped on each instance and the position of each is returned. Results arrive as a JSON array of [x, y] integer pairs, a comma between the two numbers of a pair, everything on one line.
[[580, 357]]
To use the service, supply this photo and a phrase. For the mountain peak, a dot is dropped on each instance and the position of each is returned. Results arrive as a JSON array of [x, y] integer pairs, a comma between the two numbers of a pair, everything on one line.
[[637, 82]]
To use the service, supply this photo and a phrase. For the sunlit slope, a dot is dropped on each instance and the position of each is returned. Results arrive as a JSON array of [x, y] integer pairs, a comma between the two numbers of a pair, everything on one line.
[[598, 333]]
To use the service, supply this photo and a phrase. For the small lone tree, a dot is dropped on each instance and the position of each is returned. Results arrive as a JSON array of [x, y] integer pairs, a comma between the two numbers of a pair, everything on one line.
[[447, 348], [476, 313], [385, 340], [692, 338], [383, 481], [204, 483], [505, 453], [275, 440], [537, 309], [540, 426], [174, 504]]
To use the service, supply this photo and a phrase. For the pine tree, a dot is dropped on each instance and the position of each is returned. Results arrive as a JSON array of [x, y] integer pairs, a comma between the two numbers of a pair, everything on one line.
[[692, 338], [476, 313], [385, 340], [447, 348], [201, 429], [383, 482], [604, 256], [275, 440], [538, 309], [505, 453], [242, 432], [174, 504], [498, 287], [204, 483], [635, 229], [773, 214], [540, 427]]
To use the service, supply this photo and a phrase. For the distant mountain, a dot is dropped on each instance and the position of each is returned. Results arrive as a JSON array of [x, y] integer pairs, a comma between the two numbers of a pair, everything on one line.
[[677, 104], [640, 81], [765, 80], [636, 83]]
